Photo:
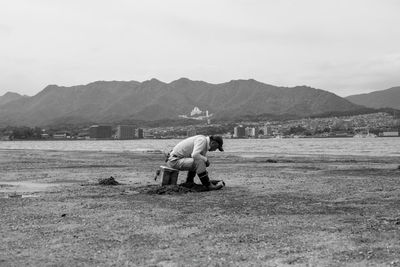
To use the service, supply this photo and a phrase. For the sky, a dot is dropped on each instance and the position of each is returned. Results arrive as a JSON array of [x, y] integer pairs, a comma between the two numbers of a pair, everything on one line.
[[342, 46]]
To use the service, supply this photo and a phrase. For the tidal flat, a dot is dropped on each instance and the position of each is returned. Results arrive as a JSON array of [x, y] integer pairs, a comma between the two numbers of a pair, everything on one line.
[[318, 210]]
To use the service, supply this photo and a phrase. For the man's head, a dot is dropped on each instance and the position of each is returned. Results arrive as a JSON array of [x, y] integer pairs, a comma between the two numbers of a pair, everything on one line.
[[216, 142]]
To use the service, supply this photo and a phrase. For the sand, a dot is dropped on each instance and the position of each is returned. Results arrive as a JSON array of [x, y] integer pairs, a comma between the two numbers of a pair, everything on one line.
[[317, 211]]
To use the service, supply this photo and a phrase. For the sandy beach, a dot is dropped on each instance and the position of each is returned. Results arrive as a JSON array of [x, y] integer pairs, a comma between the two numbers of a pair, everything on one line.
[[318, 211]]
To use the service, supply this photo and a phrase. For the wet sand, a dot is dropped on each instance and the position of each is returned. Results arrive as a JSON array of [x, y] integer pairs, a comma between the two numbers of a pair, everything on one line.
[[319, 211]]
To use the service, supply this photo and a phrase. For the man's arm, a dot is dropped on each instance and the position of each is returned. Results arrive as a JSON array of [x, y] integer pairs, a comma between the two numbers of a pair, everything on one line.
[[200, 144]]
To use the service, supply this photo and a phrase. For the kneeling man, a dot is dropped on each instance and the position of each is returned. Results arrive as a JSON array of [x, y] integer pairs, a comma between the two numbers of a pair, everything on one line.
[[190, 155]]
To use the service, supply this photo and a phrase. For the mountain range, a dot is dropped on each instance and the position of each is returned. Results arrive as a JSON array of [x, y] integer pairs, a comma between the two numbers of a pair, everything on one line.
[[389, 98], [8, 97], [119, 101]]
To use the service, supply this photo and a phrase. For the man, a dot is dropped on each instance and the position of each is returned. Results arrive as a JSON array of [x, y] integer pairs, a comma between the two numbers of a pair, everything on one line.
[[190, 155]]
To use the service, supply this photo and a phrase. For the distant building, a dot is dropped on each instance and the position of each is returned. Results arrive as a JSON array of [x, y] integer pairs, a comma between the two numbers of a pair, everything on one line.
[[5, 138], [83, 135], [139, 133], [195, 111], [250, 132], [389, 134], [208, 117], [62, 135], [239, 132], [100, 132], [125, 132], [198, 114], [44, 136], [266, 130]]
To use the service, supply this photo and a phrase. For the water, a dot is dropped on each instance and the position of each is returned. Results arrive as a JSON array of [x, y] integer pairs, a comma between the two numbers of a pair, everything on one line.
[[290, 147]]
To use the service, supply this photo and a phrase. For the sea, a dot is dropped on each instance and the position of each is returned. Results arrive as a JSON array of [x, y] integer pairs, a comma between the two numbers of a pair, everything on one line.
[[381, 147]]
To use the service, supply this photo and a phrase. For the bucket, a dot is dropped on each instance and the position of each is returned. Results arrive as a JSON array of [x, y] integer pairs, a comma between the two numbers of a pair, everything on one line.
[[168, 175]]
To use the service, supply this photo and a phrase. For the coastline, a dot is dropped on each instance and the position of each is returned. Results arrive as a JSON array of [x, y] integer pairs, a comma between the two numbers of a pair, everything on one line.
[[318, 210]]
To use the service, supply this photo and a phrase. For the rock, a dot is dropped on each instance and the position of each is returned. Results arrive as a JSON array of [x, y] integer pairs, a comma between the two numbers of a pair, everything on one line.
[[108, 181], [14, 195]]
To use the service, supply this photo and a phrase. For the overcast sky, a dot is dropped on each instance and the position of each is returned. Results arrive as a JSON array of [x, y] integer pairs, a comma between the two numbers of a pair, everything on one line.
[[343, 46]]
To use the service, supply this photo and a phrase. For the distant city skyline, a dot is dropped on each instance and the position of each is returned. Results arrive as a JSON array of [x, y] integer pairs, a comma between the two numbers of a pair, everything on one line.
[[344, 47]]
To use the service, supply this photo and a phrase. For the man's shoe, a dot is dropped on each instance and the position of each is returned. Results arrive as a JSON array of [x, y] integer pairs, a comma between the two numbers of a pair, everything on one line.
[[215, 182], [188, 185], [205, 180], [214, 187]]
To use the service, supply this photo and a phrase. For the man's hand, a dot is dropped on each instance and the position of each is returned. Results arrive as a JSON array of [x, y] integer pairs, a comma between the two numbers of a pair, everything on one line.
[[207, 163]]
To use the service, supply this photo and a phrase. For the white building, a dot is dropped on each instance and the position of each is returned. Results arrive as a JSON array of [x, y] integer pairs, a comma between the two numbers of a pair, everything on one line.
[[250, 132], [195, 111], [388, 134]]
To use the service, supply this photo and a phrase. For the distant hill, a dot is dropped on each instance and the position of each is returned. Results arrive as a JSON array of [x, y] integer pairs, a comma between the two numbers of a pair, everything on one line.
[[389, 98], [117, 101], [9, 97]]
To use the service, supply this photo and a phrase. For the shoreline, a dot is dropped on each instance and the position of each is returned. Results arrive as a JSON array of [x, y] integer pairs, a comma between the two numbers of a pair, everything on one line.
[[226, 154]]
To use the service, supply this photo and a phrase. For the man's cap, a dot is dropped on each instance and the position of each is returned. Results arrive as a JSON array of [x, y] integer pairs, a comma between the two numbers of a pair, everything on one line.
[[219, 140]]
